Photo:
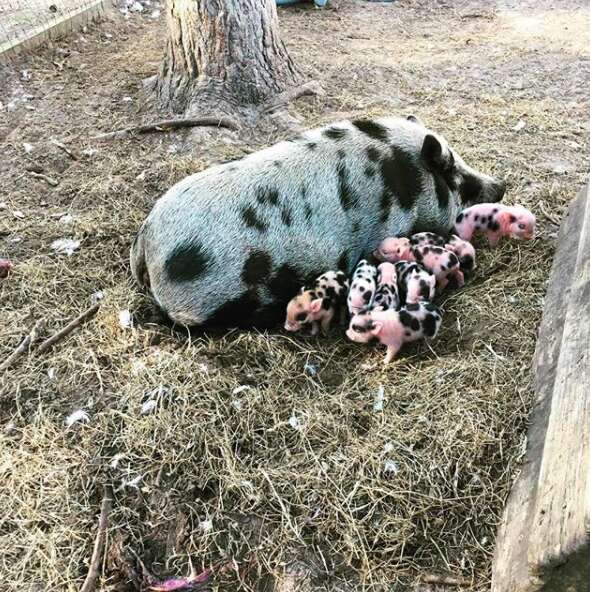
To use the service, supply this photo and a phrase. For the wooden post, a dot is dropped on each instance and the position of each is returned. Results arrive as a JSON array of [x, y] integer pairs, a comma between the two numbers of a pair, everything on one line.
[[544, 539]]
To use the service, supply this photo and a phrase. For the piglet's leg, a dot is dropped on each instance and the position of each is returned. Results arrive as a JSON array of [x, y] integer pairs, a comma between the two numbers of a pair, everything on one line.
[[343, 315], [391, 352], [326, 320], [494, 238], [315, 327], [459, 277], [441, 283]]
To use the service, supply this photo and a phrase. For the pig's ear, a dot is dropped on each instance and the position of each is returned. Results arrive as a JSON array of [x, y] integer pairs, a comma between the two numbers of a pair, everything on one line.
[[377, 328], [505, 219], [432, 154], [316, 305], [414, 119]]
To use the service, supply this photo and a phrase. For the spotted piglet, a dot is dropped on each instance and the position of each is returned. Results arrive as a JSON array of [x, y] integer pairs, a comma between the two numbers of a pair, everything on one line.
[[362, 288], [464, 251], [415, 283], [393, 328], [496, 221], [436, 260], [427, 238], [387, 295], [317, 305]]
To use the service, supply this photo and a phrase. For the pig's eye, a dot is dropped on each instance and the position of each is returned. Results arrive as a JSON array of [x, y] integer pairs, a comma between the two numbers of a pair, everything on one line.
[[301, 317], [522, 226]]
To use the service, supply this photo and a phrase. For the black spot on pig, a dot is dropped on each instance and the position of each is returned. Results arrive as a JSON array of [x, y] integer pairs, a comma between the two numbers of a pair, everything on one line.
[[343, 261], [373, 154], [335, 133], [466, 262], [326, 304], [341, 153], [429, 325], [251, 219], [277, 163], [459, 218], [405, 318], [265, 195], [443, 192], [236, 312], [372, 129], [470, 189], [367, 296], [311, 146], [494, 226], [453, 260], [401, 177], [415, 325], [285, 283], [370, 171], [187, 262], [347, 195], [257, 267], [413, 307], [286, 216]]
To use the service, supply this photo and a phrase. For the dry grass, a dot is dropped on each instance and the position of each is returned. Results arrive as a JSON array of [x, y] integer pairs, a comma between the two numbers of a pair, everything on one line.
[[352, 497]]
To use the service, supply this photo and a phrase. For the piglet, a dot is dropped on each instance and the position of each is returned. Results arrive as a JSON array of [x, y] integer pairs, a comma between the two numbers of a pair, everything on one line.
[[317, 304], [464, 251], [436, 260], [427, 238], [495, 221], [387, 295], [415, 283], [5, 267], [393, 328], [362, 287]]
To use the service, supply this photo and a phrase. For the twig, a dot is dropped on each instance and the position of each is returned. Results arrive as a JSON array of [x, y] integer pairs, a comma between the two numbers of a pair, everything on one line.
[[547, 215], [23, 346], [48, 343], [45, 178], [105, 508], [169, 124], [63, 147], [446, 580], [309, 88]]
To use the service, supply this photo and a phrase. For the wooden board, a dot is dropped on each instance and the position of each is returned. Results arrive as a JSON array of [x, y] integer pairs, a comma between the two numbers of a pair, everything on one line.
[[543, 540]]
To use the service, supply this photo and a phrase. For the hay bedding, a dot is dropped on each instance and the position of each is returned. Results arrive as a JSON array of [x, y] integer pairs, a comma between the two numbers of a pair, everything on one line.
[[299, 473]]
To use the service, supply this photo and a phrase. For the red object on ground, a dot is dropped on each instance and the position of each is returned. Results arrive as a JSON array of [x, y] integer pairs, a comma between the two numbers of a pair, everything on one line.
[[5, 267]]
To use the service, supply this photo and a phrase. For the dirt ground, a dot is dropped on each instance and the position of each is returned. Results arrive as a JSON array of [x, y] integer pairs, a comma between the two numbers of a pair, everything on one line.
[[264, 453]]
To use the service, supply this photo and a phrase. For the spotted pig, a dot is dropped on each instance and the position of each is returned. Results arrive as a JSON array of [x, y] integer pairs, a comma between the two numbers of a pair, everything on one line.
[[393, 328], [231, 245], [387, 295], [318, 303], [415, 283], [427, 238], [496, 221], [362, 287], [464, 251]]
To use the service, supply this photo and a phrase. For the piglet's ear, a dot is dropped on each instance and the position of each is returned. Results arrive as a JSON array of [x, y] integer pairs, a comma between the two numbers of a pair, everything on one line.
[[377, 328], [414, 119], [432, 153], [316, 305], [504, 219]]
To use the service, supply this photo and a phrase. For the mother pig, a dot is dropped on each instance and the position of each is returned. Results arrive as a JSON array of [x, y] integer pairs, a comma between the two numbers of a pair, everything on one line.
[[231, 245]]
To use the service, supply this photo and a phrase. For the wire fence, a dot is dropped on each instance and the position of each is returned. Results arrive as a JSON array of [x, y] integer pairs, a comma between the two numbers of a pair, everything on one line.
[[24, 21]]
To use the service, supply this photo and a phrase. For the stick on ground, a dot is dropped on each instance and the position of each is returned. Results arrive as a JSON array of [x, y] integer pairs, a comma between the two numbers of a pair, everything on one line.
[[45, 178], [48, 343], [169, 124], [309, 88], [446, 580], [24, 345], [101, 534]]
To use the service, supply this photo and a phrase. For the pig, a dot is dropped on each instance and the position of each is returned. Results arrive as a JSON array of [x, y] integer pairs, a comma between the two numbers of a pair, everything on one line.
[[231, 245], [427, 238], [5, 267], [464, 251], [436, 260], [318, 304], [496, 221], [415, 283], [362, 287], [387, 295], [393, 328]]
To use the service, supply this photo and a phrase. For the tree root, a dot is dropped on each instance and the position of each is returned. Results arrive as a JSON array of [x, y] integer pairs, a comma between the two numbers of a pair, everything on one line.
[[23, 346], [169, 124], [309, 88]]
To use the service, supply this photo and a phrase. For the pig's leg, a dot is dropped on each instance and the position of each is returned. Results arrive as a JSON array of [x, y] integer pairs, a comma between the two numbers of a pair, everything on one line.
[[441, 282], [466, 233], [391, 352], [458, 274], [326, 320], [494, 238], [315, 327]]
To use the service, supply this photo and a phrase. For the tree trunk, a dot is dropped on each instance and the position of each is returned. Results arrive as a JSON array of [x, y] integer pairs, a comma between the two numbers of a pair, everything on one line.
[[222, 56]]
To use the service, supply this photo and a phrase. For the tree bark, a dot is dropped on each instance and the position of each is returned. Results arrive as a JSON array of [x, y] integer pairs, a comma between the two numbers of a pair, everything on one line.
[[222, 56]]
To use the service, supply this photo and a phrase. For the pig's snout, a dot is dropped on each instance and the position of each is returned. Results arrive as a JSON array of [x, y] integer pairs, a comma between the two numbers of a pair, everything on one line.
[[291, 326]]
